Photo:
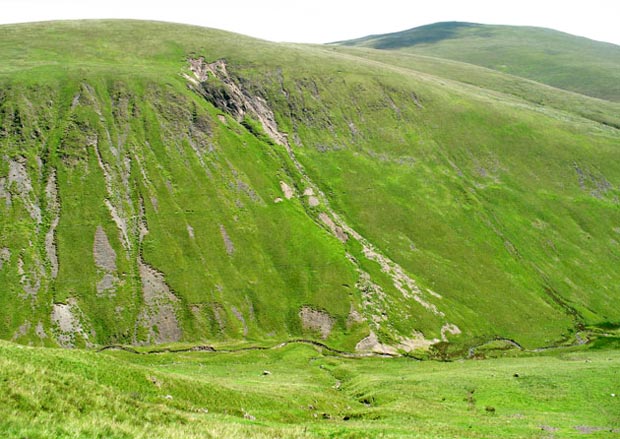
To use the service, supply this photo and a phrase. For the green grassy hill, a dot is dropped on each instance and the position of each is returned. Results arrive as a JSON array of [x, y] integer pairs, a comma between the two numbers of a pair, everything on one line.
[[544, 55], [168, 183]]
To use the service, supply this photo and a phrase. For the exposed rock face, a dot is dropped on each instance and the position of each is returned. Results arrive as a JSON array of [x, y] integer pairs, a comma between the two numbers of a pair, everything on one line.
[[449, 328], [416, 341], [287, 190], [335, 229], [241, 319], [23, 329], [20, 180], [30, 280], [315, 320], [164, 320], [312, 200], [53, 206], [154, 286], [66, 321], [107, 285], [372, 344], [220, 316], [214, 82], [4, 193], [116, 173], [354, 317], [190, 231], [5, 256], [159, 315], [105, 260], [40, 331], [19, 177], [105, 256]]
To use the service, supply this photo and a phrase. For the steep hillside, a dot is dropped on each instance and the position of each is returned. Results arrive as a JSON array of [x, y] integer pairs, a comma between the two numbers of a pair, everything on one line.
[[544, 55], [163, 183]]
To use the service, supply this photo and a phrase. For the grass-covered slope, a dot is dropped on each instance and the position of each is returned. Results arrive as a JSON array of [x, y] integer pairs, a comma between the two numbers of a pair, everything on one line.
[[165, 183], [132, 213], [297, 392], [544, 55]]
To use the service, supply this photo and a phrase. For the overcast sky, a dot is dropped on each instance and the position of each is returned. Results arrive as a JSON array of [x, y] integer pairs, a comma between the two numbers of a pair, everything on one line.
[[321, 21]]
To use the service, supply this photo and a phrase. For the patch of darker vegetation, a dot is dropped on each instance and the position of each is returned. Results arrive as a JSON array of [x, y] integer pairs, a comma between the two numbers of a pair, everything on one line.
[[431, 33], [558, 300], [442, 351], [470, 400], [78, 132], [11, 124], [200, 121], [612, 342], [255, 128], [609, 123], [362, 415], [607, 325]]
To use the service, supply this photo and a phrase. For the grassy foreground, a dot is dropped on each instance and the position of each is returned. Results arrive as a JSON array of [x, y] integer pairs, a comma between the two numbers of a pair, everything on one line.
[[297, 391]]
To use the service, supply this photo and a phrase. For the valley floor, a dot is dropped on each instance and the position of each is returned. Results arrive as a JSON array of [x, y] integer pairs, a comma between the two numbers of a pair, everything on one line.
[[298, 391]]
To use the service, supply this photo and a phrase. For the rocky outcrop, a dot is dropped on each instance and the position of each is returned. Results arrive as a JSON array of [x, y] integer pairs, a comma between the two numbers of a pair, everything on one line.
[[159, 314], [213, 81], [333, 227], [105, 260], [317, 321], [287, 190], [67, 323], [53, 207], [104, 254]]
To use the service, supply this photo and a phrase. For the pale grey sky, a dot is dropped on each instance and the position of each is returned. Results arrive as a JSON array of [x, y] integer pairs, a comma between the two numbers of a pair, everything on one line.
[[321, 21]]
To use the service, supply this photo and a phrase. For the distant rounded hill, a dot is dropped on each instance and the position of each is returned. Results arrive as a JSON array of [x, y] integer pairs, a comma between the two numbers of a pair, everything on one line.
[[548, 56], [163, 183]]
